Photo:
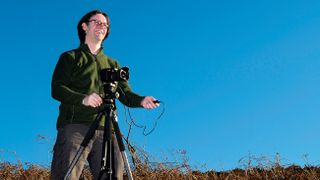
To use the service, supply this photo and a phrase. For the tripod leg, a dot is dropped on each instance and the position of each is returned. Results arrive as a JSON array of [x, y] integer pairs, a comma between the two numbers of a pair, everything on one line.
[[84, 144], [106, 168], [74, 162], [106, 163], [121, 146], [126, 163]]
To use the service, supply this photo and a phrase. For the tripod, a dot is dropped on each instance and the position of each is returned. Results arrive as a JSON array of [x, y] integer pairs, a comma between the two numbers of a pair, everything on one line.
[[110, 121]]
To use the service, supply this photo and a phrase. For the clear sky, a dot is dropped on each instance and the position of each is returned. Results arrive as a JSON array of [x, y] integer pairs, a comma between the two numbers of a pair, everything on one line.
[[238, 78]]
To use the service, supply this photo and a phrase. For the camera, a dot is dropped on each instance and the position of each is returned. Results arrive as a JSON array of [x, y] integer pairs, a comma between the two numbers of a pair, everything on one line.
[[109, 75]]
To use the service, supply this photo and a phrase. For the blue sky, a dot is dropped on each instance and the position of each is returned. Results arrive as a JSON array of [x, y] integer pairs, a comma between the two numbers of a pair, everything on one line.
[[238, 78]]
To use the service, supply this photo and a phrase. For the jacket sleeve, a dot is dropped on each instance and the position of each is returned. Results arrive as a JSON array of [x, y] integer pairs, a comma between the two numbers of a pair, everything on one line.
[[127, 96], [61, 81]]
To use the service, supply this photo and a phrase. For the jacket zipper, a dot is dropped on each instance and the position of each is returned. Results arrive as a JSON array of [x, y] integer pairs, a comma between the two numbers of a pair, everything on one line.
[[72, 113], [98, 76]]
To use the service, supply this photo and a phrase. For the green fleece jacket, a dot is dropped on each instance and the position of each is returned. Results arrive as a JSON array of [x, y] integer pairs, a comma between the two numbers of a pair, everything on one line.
[[77, 75]]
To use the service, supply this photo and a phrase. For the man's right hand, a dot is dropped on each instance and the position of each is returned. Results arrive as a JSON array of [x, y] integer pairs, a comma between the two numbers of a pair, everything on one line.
[[93, 100]]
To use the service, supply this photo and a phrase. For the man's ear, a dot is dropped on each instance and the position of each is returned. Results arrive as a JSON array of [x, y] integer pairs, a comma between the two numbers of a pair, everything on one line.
[[84, 26]]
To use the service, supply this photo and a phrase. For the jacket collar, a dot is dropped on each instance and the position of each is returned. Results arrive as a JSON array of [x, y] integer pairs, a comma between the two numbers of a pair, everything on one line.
[[85, 48]]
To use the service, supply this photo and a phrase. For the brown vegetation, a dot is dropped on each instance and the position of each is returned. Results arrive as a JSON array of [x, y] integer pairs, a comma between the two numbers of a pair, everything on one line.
[[143, 171], [252, 168]]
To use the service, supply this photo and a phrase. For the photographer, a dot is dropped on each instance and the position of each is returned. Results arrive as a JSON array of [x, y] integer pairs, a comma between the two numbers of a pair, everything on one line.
[[77, 85]]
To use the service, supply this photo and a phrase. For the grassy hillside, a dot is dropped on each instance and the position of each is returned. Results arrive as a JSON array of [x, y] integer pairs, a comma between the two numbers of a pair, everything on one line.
[[144, 172], [144, 167]]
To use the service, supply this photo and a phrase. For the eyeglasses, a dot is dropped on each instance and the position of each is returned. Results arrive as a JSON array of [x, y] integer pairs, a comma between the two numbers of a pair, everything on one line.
[[99, 23]]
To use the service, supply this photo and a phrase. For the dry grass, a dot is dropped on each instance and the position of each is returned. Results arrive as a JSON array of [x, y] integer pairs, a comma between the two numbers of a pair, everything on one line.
[[146, 168], [146, 171]]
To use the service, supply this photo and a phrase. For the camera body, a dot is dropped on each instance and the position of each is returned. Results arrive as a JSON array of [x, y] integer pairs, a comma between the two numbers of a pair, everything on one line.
[[109, 75]]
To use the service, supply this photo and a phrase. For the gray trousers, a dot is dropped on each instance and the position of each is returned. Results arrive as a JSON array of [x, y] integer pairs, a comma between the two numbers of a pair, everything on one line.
[[68, 142]]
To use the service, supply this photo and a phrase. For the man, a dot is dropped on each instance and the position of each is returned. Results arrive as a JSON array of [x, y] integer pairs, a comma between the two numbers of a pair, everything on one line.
[[77, 85]]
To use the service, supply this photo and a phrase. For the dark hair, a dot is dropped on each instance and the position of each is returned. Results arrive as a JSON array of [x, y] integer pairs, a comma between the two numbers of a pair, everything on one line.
[[85, 19]]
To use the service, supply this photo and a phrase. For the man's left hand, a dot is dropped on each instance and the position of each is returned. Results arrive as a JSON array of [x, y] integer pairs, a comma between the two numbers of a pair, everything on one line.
[[149, 102]]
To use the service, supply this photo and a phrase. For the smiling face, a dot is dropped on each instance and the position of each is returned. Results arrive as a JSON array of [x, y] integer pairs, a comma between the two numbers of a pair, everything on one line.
[[96, 28]]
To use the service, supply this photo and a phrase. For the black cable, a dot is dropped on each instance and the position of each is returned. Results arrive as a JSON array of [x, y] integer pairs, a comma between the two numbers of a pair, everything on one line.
[[144, 127]]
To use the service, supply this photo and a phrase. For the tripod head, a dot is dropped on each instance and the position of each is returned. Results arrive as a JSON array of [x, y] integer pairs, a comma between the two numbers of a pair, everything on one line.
[[110, 94], [110, 78]]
